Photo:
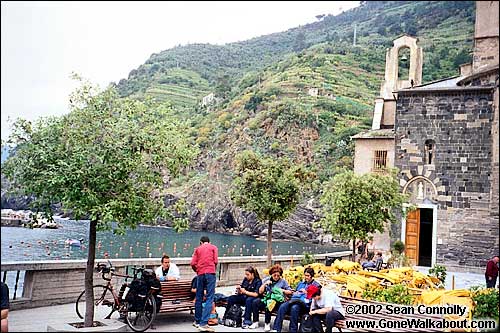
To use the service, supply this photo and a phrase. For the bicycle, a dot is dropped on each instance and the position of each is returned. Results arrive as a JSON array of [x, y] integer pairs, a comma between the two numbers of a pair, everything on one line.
[[106, 301]]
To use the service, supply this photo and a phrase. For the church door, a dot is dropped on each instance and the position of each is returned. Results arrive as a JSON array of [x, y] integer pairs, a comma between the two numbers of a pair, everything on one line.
[[412, 236]]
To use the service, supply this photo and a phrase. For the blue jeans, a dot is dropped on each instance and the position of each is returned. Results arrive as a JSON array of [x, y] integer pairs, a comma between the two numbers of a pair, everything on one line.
[[204, 282], [295, 310], [247, 302]]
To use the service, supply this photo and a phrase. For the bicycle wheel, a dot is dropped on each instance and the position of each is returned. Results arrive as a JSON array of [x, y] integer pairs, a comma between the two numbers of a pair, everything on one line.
[[141, 320], [104, 303]]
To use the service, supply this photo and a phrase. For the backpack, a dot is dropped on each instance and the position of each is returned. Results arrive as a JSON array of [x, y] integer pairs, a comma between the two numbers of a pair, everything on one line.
[[306, 324], [232, 317], [154, 285], [136, 297]]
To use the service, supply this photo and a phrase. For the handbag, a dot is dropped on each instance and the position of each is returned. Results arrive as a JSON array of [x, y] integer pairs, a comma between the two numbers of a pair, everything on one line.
[[306, 324]]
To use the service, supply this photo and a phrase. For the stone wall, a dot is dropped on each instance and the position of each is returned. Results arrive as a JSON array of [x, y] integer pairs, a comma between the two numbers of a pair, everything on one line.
[[460, 122], [364, 153]]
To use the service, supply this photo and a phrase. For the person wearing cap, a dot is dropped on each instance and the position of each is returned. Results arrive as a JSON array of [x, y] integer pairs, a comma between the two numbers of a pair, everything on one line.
[[325, 306]]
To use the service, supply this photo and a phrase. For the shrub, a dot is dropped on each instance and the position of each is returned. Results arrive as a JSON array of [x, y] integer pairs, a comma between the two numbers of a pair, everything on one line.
[[308, 259], [398, 246], [486, 302], [398, 294], [439, 272]]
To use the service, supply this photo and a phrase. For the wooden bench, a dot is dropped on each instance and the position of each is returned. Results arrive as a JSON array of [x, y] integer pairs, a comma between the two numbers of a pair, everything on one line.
[[176, 296]]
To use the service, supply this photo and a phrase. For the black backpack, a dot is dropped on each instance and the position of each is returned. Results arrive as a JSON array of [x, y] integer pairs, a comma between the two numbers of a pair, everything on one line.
[[232, 317], [306, 324], [154, 285], [136, 297]]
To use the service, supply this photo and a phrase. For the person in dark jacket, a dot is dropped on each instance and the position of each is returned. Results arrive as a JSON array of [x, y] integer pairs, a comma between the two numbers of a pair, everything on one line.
[[491, 273], [5, 307], [246, 293]]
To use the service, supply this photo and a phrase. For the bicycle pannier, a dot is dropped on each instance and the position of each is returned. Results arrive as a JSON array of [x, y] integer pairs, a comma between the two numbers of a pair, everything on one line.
[[136, 296]]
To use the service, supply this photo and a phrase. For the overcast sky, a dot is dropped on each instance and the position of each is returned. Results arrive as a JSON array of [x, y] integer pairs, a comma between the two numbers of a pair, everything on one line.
[[43, 42]]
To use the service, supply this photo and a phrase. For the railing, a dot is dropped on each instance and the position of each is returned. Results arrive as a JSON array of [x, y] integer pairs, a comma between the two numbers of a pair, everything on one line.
[[45, 283]]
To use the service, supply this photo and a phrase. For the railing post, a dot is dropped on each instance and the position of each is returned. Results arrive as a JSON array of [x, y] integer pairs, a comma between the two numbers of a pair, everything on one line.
[[15, 287], [4, 276]]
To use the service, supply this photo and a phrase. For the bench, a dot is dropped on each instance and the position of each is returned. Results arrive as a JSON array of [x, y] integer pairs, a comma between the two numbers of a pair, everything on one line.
[[176, 296]]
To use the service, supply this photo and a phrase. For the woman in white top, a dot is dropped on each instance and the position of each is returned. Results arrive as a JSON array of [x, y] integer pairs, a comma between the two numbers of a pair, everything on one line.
[[167, 271], [326, 306]]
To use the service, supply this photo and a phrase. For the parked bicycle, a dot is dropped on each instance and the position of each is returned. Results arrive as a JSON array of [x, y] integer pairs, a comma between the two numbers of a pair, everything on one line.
[[138, 317]]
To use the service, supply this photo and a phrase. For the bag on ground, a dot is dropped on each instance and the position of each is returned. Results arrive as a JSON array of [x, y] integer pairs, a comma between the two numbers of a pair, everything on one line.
[[306, 324], [232, 317]]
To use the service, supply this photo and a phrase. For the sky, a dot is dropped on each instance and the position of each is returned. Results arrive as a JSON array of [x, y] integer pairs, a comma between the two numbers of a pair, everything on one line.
[[42, 43]]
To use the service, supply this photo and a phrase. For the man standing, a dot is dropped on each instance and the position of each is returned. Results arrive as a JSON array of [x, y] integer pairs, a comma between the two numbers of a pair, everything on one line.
[[167, 271], [204, 261], [491, 272]]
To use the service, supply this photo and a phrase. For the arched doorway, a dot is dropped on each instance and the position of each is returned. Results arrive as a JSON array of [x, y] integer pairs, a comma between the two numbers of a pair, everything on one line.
[[419, 226]]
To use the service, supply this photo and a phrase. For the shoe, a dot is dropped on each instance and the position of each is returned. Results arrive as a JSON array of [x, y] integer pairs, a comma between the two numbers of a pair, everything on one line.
[[245, 326], [272, 331], [267, 327], [195, 324], [206, 328], [254, 325]]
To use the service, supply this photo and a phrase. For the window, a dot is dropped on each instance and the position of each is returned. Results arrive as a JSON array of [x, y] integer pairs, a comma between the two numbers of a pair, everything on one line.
[[429, 151], [380, 160]]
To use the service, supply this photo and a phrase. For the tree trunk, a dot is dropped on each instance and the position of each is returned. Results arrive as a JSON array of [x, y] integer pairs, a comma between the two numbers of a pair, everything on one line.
[[354, 250], [269, 243], [89, 275]]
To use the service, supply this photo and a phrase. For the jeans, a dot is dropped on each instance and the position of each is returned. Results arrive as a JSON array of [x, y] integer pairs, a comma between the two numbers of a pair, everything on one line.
[[257, 305], [204, 282], [329, 318], [247, 301], [295, 310]]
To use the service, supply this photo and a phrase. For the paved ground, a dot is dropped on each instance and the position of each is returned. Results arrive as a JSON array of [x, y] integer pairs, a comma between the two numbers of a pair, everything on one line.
[[36, 320]]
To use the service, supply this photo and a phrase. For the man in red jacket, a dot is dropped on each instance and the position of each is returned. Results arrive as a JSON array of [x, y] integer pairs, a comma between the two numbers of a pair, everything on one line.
[[491, 272], [204, 261]]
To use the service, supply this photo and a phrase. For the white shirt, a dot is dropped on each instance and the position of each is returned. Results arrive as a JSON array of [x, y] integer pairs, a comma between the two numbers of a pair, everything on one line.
[[173, 271], [329, 299]]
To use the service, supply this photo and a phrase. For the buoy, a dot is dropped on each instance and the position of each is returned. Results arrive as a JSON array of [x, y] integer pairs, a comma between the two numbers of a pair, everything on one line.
[[72, 242]]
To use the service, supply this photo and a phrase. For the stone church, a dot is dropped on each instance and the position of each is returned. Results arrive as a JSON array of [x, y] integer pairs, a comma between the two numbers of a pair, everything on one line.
[[443, 139]]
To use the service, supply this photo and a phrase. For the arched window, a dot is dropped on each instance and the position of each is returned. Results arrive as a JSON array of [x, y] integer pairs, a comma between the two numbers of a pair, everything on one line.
[[404, 63], [430, 151]]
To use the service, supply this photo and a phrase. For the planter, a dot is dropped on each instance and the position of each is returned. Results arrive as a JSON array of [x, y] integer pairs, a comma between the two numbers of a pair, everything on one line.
[[109, 325]]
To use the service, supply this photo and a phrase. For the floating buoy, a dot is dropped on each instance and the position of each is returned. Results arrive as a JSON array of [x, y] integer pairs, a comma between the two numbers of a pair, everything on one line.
[[72, 242]]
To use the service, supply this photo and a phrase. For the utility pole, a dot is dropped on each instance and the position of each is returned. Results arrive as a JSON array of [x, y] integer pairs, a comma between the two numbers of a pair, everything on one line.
[[354, 39]]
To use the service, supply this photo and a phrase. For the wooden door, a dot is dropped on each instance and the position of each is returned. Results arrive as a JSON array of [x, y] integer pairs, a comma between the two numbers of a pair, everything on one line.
[[412, 236]]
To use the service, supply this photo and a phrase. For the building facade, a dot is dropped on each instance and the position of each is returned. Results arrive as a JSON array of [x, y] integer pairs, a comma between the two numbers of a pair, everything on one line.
[[445, 146]]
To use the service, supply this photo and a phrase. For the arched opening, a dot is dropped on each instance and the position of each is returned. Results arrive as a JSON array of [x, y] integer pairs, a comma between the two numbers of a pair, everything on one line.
[[404, 63], [429, 151]]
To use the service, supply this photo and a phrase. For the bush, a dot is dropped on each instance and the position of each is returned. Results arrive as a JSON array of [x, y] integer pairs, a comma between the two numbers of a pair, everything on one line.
[[486, 303], [398, 246], [439, 272], [398, 294], [308, 259]]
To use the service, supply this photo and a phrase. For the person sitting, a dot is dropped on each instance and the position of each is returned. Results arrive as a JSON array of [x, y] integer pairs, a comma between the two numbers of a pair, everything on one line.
[[325, 306], [297, 305], [167, 271], [375, 262], [246, 293], [273, 287], [5, 307]]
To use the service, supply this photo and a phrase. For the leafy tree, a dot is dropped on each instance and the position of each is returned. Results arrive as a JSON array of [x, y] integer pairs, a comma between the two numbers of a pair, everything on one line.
[[300, 42], [356, 206], [106, 160], [267, 187]]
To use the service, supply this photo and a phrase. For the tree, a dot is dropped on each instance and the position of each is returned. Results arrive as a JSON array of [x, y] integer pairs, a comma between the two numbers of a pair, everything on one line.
[[267, 187], [107, 160], [300, 42], [356, 206]]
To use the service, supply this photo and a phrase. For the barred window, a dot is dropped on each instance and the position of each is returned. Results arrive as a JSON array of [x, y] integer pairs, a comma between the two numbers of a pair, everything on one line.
[[429, 151], [380, 160]]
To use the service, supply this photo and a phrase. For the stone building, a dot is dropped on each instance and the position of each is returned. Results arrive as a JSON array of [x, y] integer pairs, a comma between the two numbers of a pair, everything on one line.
[[444, 142]]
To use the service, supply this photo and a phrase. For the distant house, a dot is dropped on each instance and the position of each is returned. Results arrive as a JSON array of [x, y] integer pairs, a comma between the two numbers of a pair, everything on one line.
[[207, 100]]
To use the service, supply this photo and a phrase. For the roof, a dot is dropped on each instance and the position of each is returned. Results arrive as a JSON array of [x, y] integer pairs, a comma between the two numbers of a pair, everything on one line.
[[384, 133]]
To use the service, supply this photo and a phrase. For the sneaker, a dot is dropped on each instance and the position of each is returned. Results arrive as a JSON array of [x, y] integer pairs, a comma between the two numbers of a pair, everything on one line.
[[206, 328], [245, 326], [267, 327], [195, 324], [254, 325]]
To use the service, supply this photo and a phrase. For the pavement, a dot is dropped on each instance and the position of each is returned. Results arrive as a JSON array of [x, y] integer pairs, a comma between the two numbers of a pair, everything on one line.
[[37, 319]]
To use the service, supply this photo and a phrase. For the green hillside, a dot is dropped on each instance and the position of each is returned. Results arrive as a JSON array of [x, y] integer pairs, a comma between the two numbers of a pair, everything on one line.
[[264, 85]]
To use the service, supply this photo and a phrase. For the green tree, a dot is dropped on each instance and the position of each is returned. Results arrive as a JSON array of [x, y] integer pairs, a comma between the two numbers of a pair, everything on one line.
[[270, 188], [107, 160], [356, 206]]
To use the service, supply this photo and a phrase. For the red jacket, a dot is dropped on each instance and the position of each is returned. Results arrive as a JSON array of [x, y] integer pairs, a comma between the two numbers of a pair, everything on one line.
[[205, 259], [491, 269]]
